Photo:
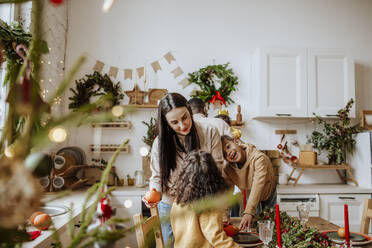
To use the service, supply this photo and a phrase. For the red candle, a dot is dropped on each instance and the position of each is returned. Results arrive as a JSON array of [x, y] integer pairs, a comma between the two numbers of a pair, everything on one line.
[[347, 233], [278, 232], [244, 199]]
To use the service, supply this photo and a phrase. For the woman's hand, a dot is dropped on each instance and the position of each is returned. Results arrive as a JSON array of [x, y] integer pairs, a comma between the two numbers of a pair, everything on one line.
[[246, 222], [148, 204]]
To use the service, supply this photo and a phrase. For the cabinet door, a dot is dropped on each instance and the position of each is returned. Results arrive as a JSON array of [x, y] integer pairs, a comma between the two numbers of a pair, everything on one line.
[[126, 207], [284, 82], [331, 81], [332, 209]]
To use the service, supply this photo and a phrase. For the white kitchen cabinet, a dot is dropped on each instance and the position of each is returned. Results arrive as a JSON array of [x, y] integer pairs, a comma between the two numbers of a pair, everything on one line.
[[126, 207], [331, 81], [281, 81], [295, 82], [332, 208]]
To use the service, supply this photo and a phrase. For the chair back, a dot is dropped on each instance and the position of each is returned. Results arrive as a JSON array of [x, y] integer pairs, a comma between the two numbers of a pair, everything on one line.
[[366, 216], [144, 227]]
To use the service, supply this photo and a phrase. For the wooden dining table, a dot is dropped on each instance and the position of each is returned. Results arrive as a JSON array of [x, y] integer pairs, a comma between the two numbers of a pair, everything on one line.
[[314, 222]]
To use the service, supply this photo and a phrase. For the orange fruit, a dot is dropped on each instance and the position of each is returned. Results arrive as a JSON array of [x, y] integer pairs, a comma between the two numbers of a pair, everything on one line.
[[42, 221], [152, 196], [33, 216], [341, 232], [229, 230]]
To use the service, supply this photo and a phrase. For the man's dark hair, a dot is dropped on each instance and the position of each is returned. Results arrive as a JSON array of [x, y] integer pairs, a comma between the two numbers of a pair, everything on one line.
[[225, 118], [197, 105]]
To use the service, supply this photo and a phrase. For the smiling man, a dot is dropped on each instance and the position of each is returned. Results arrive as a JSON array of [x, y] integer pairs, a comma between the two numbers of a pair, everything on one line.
[[250, 170]]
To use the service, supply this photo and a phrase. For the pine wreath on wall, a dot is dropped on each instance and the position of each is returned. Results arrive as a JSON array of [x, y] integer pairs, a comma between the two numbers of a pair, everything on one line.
[[92, 85], [209, 77]]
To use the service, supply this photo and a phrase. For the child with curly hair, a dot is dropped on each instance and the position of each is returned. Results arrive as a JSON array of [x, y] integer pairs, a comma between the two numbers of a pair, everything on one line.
[[198, 179]]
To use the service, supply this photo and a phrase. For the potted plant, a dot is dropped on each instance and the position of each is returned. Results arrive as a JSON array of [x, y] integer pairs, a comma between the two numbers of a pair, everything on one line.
[[337, 137], [148, 139]]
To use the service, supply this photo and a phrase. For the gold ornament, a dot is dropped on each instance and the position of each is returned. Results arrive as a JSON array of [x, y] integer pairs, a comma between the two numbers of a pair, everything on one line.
[[223, 112]]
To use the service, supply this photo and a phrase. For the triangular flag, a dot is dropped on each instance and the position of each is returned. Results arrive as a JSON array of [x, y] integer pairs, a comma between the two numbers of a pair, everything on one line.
[[169, 57], [128, 74], [184, 82], [98, 66], [113, 72], [156, 66], [176, 72], [140, 71]]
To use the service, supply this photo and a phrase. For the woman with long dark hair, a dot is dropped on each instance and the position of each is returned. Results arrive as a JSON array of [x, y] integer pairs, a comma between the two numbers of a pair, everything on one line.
[[178, 134], [199, 179]]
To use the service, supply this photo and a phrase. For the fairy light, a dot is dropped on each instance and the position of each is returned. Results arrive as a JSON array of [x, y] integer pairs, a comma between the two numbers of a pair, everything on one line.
[[144, 151], [50, 80], [42, 61], [41, 80], [57, 100], [57, 134], [49, 62], [128, 203], [9, 152], [61, 62], [117, 111], [107, 5]]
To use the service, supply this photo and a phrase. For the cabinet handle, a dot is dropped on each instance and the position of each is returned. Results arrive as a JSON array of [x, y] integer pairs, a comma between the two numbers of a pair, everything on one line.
[[283, 114], [331, 115], [346, 198]]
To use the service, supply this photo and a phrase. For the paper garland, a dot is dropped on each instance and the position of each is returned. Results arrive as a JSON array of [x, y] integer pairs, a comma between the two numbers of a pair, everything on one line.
[[113, 72], [98, 66], [169, 57], [156, 66], [128, 73], [176, 72]]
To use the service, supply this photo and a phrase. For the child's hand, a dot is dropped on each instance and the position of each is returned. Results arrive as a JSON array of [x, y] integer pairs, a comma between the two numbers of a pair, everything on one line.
[[246, 221]]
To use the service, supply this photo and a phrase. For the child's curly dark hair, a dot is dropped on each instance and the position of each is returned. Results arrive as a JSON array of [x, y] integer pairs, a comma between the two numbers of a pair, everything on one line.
[[199, 178]]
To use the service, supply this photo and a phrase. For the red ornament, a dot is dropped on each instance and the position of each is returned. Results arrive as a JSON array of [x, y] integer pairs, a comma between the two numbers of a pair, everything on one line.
[[56, 2]]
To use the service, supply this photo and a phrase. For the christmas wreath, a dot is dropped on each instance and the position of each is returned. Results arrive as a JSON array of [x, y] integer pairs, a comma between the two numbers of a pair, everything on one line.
[[208, 77], [94, 84]]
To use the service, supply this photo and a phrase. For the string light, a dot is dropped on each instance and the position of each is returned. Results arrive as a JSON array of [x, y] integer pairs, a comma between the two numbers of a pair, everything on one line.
[[117, 111], [144, 151], [57, 134], [61, 62], [9, 152], [42, 61], [50, 80], [42, 81], [107, 5], [49, 62], [128, 203]]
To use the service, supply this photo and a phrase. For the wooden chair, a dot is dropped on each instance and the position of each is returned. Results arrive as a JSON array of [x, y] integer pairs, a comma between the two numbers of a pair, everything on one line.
[[367, 216], [144, 227]]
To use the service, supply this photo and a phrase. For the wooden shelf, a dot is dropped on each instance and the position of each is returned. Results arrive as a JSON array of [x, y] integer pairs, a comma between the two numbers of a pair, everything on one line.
[[349, 176], [108, 148], [113, 125], [141, 106]]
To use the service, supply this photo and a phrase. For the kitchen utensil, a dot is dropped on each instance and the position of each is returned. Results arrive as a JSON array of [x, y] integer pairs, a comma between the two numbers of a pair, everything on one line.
[[76, 152], [62, 162], [58, 182], [44, 181], [140, 178]]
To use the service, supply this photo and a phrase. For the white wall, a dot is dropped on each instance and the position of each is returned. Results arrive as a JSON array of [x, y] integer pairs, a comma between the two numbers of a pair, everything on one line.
[[200, 32]]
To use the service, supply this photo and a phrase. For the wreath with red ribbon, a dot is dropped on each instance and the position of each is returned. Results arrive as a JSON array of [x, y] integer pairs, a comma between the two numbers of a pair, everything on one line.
[[206, 79]]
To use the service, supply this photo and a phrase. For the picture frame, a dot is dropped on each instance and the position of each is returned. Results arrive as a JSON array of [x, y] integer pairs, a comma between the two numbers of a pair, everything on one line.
[[366, 119]]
